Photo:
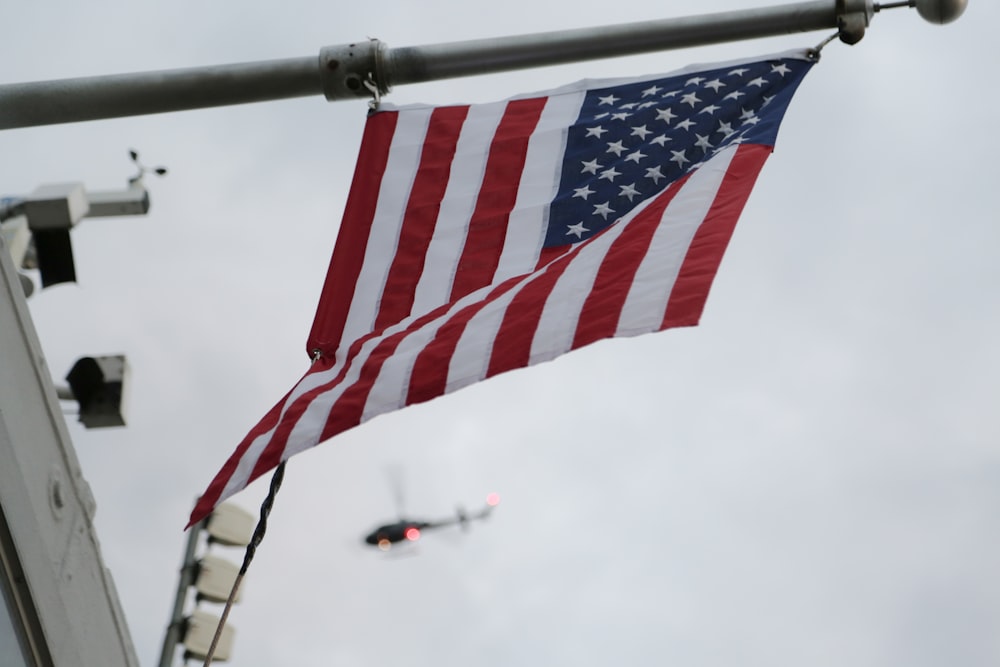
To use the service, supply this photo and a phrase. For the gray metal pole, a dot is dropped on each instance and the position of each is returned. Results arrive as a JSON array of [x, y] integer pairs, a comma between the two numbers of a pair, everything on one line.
[[119, 95], [184, 582], [356, 70], [442, 61]]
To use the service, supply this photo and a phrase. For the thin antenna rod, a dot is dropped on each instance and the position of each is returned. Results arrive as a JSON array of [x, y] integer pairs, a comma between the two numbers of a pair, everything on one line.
[[894, 5]]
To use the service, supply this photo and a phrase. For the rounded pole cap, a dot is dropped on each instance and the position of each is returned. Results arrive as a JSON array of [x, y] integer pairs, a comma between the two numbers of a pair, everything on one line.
[[941, 11]]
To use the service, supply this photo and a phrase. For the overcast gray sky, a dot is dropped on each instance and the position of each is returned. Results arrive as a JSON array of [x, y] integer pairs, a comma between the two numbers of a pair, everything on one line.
[[811, 476]]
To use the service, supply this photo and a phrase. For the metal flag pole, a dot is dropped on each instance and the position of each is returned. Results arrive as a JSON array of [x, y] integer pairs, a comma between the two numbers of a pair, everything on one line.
[[369, 68]]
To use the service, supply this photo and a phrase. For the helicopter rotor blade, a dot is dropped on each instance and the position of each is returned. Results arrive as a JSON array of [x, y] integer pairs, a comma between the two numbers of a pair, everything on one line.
[[492, 500], [394, 475]]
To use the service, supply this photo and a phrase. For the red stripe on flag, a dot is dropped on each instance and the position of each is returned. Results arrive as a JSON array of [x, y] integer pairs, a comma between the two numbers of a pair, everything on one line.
[[273, 453], [497, 195], [512, 344], [275, 449], [348, 410], [549, 254], [421, 215], [348, 255], [603, 306], [687, 300], [429, 376], [207, 502]]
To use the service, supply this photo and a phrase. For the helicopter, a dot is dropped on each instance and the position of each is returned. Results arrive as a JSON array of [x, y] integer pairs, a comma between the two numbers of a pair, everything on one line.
[[409, 530]]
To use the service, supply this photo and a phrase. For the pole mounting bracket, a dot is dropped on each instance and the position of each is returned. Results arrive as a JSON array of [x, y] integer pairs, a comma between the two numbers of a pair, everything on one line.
[[350, 70], [853, 17]]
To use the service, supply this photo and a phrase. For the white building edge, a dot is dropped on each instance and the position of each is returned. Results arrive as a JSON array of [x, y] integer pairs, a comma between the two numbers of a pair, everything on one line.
[[60, 606]]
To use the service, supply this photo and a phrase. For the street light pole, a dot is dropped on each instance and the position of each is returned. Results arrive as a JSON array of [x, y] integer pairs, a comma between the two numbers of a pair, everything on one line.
[[364, 69], [175, 629]]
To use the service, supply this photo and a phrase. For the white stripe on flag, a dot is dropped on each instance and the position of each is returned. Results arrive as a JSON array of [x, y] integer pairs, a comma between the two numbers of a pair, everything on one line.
[[464, 181], [410, 345], [471, 357], [538, 187], [557, 325], [401, 167], [654, 281]]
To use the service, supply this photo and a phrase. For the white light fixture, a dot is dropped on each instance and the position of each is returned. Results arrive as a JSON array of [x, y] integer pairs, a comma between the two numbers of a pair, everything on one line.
[[216, 577], [201, 628], [231, 525]]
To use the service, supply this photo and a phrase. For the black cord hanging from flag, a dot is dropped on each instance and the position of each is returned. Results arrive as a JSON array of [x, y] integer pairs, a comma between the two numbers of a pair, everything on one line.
[[258, 536]]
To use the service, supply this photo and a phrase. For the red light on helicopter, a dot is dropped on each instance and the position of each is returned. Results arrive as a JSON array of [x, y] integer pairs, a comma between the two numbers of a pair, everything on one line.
[[493, 499], [412, 534]]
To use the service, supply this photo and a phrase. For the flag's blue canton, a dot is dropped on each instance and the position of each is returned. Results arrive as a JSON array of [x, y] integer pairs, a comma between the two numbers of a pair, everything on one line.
[[631, 141]]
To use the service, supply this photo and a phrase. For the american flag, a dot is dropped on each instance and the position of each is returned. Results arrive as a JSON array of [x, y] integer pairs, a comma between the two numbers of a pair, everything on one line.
[[477, 239]]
